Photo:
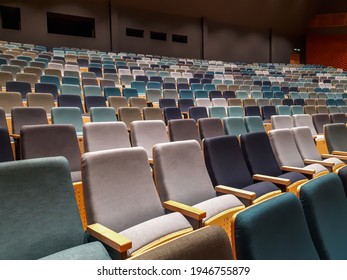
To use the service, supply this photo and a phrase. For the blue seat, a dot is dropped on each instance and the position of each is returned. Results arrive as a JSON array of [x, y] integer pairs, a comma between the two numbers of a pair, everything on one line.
[[201, 94], [94, 101], [5, 145], [171, 113], [186, 94], [47, 88], [167, 103], [197, 113], [229, 94], [185, 104], [71, 81], [70, 101], [50, 79], [268, 111], [252, 111], [215, 94], [130, 92], [22, 87], [111, 91]]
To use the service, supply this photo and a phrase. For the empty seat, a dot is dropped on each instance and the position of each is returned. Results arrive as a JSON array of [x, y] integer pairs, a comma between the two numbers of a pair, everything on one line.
[[102, 114], [234, 126], [150, 113], [94, 102], [8, 100], [70, 101], [254, 124], [217, 112], [338, 118], [171, 113], [22, 87], [127, 115], [185, 104], [117, 102], [319, 120], [281, 222], [335, 135], [304, 120], [279, 122], [44, 100], [105, 135], [27, 116], [6, 153], [180, 130], [47, 88], [267, 112], [210, 127], [68, 115]]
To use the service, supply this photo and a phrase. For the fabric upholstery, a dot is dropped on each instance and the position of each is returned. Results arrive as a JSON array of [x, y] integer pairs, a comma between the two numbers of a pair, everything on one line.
[[319, 120], [51, 140], [336, 135], [148, 133], [127, 115], [8, 100], [208, 243], [5, 146], [282, 121], [274, 230], [171, 113], [39, 212], [94, 101], [197, 113], [102, 114], [105, 135], [252, 111], [324, 204], [3, 122], [210, 127], [44, 100], [338, 118], [254, 124], [27, 116], [304, 120], [343, 177], [117, 102], [184, 129], [234, 126], [67, 100], [150, 113], [88, 251], [226, 165], [68, 115], [179, 168]]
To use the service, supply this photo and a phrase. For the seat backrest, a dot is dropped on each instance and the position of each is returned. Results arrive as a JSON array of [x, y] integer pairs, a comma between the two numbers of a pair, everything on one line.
[[335, 135], [148, 133], [102, 114], [127, 115], [259, 155], [281, 222], [68, 115], [210, 127], [207, 243], [304, 120], [151, 113], [105, 135], [324, 203], [217, 112], [252, 111], [3, 122], [338, 118], [171, 113], [319, 120], [268, 111], [6, 153], [44, 100], [180, 172], [234, 126], [31, 189], [197, 113], [49, 141], [94, 101], [225, 162], [66, 100], [127, 185], [184, 129], [305, 143], [27, 116], [47, 88], [117, 101], [279, 122], [254, 124], [8, 100], [284, 147]]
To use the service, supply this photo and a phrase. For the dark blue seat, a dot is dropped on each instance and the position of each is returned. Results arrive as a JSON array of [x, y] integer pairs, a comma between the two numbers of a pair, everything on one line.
[[156, 79], [260, 158], [96, 70], [166, 103], [94, 101], [22, 87], [169, 86], [252, 111], [47, 88], [268, 111], [185, 104], [5, 146], [171, 113], [229, 94], [300, 102], [226, 166], [215, 94], [182, 86], [66, 100], [288, 102], [197, 113]]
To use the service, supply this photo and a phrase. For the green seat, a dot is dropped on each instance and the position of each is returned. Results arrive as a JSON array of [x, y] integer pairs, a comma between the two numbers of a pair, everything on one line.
[[68, 115], [296, 110], [92, 91], [234, 126], [254, 124], [324, 203], [335, 135], [283, 110], [235, 111], [140, 86], [102, 114], [217, 112], [275, 229], [70, 89], [111, 91], [50, 79], [40, 218]]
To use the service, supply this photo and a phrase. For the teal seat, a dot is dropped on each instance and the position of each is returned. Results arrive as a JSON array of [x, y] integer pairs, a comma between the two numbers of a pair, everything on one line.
[[70, 90], [195, 87], [70, 80], [324, 203], [139, 86], [275, 229], [186, 94], [235, 111], [209, 87], [153, 85], [241, 94], [255, 94], [296, 110], [130, 92], [68, 115], [40, 218], [217, 112], [254, 124], [283, 110], [201, 94], [92, 91], [234, 126], [50, 79], [111, 91], [102, 114]]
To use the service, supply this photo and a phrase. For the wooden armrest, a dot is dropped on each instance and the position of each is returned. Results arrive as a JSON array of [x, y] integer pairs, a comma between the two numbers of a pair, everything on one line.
[[110, 237], [298, 169], [235, 191], [340, 153], [15, 136], [185, 210], [150, 161], [344, 158], [324, 163], [275, 180]]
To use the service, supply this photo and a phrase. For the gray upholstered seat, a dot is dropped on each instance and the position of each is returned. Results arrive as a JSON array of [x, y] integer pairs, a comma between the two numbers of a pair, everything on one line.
[[184, 129], [127, 115], [148, 133], [105, 135], [8, 100], [208, 243], [128, 202], [286, 152], [306, 120], [44, 100], [52, 140], [281, 121], [27, 116], [181, 176], [210, 127], [40, 217]]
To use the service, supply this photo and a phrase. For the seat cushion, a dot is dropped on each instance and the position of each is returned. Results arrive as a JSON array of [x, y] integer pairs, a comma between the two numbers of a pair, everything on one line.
[[88, 251], [151, 230], [261, 188], [218, 204], [316, 167], [343, 176], [293, 176], [334, 160]]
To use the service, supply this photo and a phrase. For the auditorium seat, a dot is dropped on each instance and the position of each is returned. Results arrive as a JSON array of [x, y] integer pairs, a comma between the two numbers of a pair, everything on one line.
[[102, 114], [151, 113], [6, 153], [185, 129], [44, 100], [27, 116], [319, 120], [254, 124], [94, 102], [22, 87], [234, 126], [9, 100], [335, 135], [210, 127], [129, 114], [117, 102], [128, 193]]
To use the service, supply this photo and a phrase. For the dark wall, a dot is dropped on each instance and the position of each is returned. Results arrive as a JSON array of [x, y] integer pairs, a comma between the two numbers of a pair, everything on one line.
[[229, 30], [332, 6]]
